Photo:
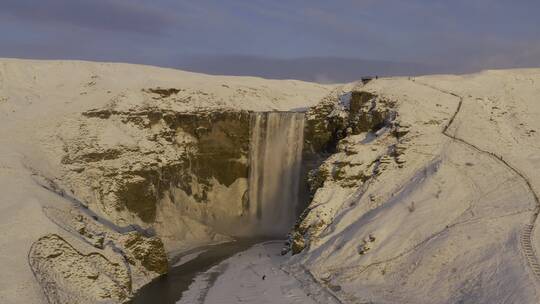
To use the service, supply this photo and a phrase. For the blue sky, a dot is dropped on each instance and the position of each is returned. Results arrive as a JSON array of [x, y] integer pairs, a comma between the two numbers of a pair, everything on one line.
[[456, 36]]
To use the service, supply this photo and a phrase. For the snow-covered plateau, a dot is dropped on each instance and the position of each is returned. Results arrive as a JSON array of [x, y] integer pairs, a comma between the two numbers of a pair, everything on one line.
[[404, 190]]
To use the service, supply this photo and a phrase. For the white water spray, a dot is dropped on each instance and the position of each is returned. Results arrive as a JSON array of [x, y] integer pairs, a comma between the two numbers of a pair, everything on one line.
[[275, 160]]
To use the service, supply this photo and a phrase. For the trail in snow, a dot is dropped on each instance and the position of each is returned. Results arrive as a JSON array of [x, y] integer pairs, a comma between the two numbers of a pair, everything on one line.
[[528, 231]]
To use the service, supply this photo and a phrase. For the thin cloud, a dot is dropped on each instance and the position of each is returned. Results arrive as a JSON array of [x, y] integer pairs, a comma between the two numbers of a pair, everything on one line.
[[108, 15], [450, 36]]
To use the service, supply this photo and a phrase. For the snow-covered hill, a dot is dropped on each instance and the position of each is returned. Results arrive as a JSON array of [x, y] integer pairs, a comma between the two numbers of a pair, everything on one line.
[[444, 209], [430, 195]]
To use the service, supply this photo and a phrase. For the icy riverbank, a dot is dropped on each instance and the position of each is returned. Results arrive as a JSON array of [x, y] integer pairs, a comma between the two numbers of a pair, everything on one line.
[[254, 276]]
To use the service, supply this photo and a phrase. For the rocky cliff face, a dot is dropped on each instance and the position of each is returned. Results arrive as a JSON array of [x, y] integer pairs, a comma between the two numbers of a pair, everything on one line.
[[148, 165], [350, 138]]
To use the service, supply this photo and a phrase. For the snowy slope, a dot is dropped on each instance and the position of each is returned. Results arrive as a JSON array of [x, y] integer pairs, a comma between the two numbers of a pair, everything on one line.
[[446, 222]]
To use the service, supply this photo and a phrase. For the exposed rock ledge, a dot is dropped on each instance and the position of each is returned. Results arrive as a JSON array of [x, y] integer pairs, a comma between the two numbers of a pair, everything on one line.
[[362, 135], [70, 276]]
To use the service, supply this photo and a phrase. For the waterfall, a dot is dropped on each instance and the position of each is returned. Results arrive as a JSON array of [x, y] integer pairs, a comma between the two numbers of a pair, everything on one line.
[[275, 160]]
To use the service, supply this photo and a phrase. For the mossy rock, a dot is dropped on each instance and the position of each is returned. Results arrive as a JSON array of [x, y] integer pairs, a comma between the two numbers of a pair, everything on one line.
[[222, 140], [138, 195], [150, 252], [298, 243]]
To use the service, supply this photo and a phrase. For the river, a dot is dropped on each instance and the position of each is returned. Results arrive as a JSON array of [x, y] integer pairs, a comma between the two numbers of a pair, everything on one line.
[[168, 288]]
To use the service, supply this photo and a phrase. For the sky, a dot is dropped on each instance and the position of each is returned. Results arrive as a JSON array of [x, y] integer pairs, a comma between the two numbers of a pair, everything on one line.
[[319, 40]]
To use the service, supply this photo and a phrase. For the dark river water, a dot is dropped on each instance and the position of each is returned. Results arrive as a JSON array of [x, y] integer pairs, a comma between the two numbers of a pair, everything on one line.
[[168, 289]]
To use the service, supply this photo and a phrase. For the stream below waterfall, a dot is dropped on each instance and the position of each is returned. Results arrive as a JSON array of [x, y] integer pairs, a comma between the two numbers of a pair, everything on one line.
[[168, 288]]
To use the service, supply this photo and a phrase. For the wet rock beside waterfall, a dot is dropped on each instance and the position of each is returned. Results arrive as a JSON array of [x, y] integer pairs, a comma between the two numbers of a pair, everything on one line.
[[358, 141], [316, 178], [297, 244], [322, 129]]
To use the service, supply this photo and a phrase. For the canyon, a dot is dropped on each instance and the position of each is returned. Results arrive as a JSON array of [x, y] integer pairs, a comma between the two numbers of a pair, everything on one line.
[[387, 191]]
